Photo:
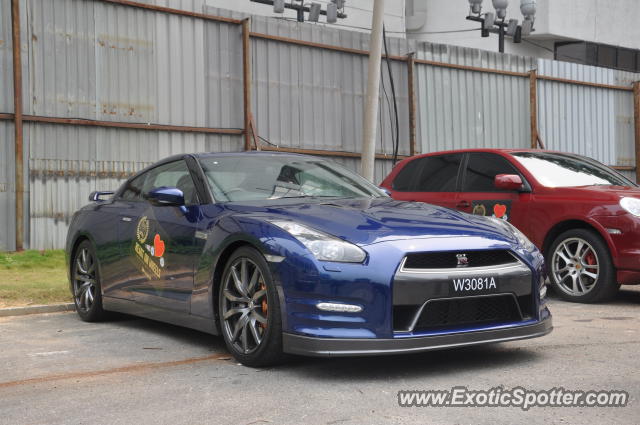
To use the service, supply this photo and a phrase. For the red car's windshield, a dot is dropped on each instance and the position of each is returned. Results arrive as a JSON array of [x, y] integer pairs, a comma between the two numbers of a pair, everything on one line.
[[559, 170]]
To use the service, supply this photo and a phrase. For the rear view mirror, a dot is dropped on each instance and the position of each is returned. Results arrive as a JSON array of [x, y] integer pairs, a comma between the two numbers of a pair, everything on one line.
[[509, 182], [166, 196]]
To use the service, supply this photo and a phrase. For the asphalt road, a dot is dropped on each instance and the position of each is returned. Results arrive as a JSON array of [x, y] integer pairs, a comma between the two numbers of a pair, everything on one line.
[[56, 369]]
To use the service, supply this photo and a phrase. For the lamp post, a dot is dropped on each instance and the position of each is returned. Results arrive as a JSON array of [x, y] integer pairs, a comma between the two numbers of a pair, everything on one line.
[[496, 22], [335, 9]]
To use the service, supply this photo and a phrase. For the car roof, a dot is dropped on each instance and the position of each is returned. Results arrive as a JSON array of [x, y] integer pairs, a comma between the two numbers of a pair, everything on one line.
[[250, 153], [487, 150]]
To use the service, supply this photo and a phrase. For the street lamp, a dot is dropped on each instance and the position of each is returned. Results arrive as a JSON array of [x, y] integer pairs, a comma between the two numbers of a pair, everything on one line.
[[500, 26], [335, 9]]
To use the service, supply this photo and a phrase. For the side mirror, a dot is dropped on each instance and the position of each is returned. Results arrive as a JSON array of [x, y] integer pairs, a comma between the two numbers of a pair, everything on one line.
[[97, 196], [166, 196], [509, 182]]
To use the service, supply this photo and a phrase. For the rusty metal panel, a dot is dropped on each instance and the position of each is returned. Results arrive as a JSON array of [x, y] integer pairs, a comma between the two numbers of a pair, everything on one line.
[[591, 121], [7, 188], [6, 60], [305, 97], [466, 109], [110, 62], [68, 162]]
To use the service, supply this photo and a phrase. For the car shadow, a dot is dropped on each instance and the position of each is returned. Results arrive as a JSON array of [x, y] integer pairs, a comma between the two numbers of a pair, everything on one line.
[[626, 296], [176, 333], [428, 364], [424, 365]]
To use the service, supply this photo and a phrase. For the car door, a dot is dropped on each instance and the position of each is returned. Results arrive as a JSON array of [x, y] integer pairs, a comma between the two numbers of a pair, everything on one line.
[[431, 179], [124, 275], [163, 246], [479, 195]]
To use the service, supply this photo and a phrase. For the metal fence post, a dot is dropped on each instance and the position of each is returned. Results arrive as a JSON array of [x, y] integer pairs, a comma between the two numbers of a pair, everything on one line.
[[412, 105], [636, 117], [246, 81], [17, 119], [533, 107]]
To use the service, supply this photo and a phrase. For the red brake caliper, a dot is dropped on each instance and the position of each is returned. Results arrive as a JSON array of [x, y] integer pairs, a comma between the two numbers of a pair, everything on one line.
[[264, 304], [590, 259]]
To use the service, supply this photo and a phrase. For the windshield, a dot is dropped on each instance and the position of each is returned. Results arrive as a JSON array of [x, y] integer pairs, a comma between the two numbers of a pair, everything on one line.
[[560, 170], [254, 178]]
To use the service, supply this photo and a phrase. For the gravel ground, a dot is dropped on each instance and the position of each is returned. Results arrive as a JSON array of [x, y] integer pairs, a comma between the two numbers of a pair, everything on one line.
[[55, 369]]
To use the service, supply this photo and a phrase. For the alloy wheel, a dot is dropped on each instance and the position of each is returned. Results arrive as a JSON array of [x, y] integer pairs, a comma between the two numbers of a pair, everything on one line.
[[84, 280], [244, 306], [575, 266]]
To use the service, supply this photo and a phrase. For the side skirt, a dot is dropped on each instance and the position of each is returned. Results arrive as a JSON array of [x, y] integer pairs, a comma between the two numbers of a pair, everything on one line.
[[133, 308]]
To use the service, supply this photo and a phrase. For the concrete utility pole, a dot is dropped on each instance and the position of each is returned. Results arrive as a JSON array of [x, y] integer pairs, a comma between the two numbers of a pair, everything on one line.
[[373, 93]]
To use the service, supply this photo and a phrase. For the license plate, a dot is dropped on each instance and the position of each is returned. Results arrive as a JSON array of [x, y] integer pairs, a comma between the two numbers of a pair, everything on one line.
[[475, 284]]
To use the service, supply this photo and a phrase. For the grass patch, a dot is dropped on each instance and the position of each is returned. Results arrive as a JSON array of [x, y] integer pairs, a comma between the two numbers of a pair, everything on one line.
[[32, 278]]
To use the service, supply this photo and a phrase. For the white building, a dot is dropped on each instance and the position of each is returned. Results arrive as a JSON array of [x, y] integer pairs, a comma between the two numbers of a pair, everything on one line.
[[596, 32]]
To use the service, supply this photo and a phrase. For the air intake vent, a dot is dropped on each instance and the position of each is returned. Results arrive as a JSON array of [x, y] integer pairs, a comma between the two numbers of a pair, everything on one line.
[[460, 312], [451, 260]]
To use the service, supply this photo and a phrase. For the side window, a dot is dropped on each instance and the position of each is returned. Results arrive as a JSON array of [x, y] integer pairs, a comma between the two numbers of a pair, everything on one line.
[[173, 174], [406, 177], [133, 189], [439, 173], [482, 170]]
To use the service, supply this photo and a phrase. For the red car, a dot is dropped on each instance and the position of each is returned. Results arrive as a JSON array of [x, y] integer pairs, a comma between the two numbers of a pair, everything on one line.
[[584, 216]]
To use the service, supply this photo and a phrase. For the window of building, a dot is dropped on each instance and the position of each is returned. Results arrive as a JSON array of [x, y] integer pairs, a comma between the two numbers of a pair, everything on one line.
[[598, 55]]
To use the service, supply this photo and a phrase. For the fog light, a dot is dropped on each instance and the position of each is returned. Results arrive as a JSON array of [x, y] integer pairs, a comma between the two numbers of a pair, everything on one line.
[[340, 308]]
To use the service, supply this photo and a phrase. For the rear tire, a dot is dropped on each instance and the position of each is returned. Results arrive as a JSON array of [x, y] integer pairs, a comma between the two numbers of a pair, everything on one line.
[[580, 267], [85, 283], [249, 310]]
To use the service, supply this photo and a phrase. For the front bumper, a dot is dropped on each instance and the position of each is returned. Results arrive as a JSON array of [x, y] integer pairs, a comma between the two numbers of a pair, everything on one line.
[[342, 347]]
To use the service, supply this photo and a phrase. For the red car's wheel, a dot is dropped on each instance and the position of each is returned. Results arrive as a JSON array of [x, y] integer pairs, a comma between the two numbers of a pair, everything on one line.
[[580, 267]]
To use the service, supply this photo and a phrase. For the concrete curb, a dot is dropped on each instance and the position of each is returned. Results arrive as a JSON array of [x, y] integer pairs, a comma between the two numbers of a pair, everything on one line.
[[36, 309]]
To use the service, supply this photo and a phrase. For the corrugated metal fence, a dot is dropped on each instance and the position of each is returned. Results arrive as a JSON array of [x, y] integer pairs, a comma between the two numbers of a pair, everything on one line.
[[96, 72]]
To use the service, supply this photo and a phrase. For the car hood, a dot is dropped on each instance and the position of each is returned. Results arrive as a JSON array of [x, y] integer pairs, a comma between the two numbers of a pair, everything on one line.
[[368, 221], [600, 192]]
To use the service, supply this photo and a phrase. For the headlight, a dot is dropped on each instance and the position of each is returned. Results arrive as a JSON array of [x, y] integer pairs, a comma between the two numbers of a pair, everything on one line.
[[522, 239], [323, 246], [631, 205]]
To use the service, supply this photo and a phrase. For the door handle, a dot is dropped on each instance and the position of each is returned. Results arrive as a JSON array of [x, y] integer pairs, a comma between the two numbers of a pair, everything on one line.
[[126, 219], [463, 204]]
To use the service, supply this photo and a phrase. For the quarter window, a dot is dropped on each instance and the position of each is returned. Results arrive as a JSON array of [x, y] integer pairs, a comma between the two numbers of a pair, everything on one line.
[[439, 173], [133, 189]]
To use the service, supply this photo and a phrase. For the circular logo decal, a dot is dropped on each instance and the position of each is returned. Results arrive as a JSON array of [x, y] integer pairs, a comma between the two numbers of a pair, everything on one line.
[[479, 210], [142, 231]]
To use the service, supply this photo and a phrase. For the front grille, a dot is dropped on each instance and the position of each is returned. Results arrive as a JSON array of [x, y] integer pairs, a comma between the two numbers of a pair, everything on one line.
[[442, 314], [449, 260]]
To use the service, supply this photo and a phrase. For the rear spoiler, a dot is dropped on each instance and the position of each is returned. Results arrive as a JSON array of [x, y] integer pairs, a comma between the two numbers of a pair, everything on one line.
[[95, 196]]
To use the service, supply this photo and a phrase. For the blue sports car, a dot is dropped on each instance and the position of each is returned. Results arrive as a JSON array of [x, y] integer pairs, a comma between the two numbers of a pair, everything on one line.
[[292, 254]]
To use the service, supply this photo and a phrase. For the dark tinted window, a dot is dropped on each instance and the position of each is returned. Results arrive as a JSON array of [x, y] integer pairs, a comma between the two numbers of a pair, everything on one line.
[[439, 173], [406, 177], [482, 170], [173, 174], [133, 189]]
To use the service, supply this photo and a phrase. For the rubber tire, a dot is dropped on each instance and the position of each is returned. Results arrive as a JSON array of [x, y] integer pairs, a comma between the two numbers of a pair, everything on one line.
[[606, 287], [270, 351], [96, 313]]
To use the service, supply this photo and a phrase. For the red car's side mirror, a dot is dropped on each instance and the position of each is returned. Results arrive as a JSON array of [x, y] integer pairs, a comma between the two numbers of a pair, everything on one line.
[[508, 182]]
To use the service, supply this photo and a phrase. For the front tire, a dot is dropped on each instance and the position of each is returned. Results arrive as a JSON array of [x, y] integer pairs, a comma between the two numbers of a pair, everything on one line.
[[580, 267], [249, 310], [85, 283]]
